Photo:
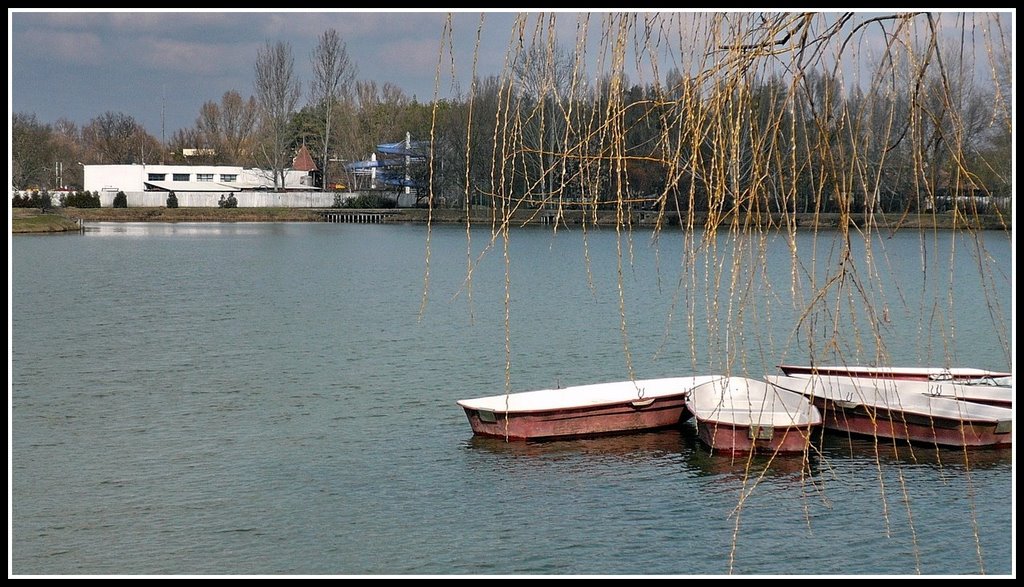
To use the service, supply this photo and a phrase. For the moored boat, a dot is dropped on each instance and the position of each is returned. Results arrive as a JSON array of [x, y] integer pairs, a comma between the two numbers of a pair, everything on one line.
[[738, 414], [909, 373], [980, 391], [583, 410], [881, 408]]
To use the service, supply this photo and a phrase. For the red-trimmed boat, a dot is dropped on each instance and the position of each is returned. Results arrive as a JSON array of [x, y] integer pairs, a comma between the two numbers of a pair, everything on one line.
[[881, 409], [583, 410], [738, 414]]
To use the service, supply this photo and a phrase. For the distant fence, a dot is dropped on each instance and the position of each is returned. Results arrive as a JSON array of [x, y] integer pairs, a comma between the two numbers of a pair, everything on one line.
[[211, 199]]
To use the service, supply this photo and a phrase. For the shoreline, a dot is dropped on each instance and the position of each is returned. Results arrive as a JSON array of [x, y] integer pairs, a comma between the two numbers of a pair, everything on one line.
[[32, 221]]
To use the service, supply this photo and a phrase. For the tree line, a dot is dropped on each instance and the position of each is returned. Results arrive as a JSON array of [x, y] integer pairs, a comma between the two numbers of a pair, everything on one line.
[[542, 135]]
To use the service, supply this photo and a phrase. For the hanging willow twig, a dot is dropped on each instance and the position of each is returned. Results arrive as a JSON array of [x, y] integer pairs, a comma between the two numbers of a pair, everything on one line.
[[829, 132]]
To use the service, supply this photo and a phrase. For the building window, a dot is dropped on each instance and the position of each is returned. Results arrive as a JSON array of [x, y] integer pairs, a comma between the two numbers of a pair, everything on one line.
[[157, 176], [204, 177], [229, 177], [181, 177]]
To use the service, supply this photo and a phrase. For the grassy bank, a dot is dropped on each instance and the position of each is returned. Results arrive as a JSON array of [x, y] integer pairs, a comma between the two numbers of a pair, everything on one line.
[[636, 218], [64, 219], [28, 221], [193, 214]]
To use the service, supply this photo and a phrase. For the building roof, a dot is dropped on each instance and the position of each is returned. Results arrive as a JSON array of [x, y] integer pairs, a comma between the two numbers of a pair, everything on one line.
[[303, 161]]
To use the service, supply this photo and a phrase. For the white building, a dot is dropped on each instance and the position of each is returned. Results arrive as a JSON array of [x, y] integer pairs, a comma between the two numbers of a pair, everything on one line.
[[188, 178], [198, 186]]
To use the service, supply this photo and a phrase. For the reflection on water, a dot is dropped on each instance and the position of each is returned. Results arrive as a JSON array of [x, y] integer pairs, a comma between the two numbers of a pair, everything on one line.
[[624, 446], [149, 229], [743, 466], [680, 445], [884, 451]]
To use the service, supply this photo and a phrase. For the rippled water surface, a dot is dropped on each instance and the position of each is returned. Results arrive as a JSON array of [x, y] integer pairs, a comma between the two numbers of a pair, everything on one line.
[[280, 399]]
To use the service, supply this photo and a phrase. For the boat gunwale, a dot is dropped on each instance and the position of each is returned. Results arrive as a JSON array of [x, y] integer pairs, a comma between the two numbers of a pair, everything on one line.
[[479, 403], [929, 373]]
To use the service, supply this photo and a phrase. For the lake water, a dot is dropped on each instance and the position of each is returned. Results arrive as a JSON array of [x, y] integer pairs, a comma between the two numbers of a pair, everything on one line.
[[265, 399]]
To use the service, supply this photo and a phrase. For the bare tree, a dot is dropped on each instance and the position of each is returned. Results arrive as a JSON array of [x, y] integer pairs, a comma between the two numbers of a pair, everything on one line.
[[182, 139], [543, 72], [116, 138], [277, 92], [238, 121], [207, 133], [31, 152], [67, 145], [333, 75], [228, 128], [543, 69], [382, 114]]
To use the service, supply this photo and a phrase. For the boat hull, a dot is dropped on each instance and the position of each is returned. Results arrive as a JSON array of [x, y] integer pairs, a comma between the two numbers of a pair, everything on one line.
[[723, 436], [631, 416], [914, 428]]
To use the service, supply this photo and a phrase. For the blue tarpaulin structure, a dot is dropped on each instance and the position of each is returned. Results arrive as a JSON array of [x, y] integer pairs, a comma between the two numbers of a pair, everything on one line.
[[389, 165]]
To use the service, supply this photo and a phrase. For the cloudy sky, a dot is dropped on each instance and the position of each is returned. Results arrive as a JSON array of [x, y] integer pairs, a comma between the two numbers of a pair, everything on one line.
[[160, 66]]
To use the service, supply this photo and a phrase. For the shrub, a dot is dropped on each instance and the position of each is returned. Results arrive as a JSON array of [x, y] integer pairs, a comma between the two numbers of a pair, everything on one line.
[[42, 200], [120, 200], [34, 199], [172, 200], [371, 201], [80, 200], [228, 202]]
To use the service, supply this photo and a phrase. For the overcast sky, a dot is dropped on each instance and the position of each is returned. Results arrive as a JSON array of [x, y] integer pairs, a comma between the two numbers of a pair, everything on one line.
[[160, 67]]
